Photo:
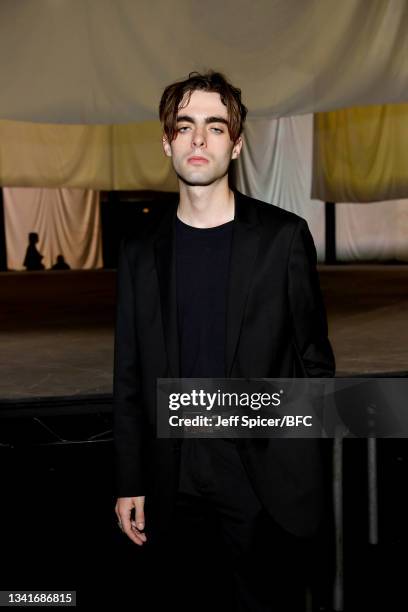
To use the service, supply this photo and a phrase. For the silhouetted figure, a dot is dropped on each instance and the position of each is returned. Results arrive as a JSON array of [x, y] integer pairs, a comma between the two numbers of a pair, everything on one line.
[[32, 259], [61, 264]]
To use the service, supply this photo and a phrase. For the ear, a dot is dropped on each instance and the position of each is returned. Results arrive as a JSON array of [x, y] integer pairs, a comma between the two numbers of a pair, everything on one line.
[[236, 150], [166, 146]]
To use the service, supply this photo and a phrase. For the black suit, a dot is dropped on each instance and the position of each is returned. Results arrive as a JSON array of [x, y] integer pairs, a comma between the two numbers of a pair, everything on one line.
[[276, 327]]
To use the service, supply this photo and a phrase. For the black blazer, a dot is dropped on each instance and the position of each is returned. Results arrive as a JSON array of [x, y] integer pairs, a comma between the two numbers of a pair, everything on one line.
[[276, 327]]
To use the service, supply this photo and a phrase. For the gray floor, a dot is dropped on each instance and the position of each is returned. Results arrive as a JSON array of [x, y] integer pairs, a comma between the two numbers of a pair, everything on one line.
[[56, 327], [367, 309]]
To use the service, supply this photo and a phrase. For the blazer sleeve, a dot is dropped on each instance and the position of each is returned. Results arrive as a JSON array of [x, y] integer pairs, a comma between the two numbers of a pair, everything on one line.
[[127, 406], [307, 307]]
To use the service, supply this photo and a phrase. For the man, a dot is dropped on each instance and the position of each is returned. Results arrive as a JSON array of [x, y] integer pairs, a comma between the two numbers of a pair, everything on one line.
[[224, 286]]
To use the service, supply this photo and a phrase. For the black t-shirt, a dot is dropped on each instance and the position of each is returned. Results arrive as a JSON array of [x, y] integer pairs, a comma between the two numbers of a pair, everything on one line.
[[202, 260], [202, 268]]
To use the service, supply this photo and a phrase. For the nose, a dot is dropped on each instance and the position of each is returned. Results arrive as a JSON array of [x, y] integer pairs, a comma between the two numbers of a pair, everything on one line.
[[198, 139]]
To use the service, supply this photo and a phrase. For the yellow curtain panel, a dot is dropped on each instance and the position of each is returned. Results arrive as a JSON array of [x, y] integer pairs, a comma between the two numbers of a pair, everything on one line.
[[361, 154], [124, 156]]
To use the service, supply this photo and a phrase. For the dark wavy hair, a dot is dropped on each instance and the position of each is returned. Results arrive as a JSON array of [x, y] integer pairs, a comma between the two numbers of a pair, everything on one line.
[[210, 81]]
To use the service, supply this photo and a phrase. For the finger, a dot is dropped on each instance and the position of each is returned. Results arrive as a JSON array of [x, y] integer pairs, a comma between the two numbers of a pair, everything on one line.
[[137, 531], [124, 520], [134, 536]]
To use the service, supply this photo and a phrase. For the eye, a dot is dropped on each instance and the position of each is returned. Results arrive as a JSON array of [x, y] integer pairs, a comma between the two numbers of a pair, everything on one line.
[[218, 130], [182, 128]]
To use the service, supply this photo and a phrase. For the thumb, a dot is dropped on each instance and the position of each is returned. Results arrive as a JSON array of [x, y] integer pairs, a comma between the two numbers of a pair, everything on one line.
[[139, 513]]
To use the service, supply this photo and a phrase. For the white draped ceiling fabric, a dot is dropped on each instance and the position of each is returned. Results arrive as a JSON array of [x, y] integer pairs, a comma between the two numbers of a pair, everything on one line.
[[275, 166], [98, 61], [67, 222]]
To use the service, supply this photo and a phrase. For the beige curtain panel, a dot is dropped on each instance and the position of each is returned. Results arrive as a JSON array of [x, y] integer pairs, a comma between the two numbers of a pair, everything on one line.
[[372, 233], [67, 222], [361, 154], [107, 62]]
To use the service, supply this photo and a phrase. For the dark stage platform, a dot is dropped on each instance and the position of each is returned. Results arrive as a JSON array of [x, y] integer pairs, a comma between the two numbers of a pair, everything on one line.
[[56, 327]]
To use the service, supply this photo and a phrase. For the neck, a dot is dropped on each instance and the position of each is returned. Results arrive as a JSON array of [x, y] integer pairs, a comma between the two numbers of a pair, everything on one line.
[[206, 206]]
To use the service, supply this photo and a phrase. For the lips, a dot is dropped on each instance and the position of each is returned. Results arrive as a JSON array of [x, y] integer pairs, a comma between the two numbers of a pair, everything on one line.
[[196, 159]]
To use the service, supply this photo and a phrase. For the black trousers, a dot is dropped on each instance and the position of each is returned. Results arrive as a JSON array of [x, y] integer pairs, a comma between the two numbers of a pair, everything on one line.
[[224, 551]]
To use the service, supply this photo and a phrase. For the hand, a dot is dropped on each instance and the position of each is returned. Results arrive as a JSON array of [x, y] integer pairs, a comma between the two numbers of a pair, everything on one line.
[[132, 528]]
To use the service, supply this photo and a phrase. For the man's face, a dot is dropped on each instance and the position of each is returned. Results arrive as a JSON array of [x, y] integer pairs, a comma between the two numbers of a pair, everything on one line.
[[202, 150]]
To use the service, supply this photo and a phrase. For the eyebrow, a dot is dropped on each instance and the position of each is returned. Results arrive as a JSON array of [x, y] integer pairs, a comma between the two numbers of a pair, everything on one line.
[[212, 119]]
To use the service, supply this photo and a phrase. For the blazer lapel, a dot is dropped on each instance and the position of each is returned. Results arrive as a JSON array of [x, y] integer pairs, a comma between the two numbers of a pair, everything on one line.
[[244, 249], [165, 257]]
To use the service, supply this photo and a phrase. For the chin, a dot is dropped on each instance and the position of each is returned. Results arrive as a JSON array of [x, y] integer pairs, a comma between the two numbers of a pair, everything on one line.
[[199, 181]]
